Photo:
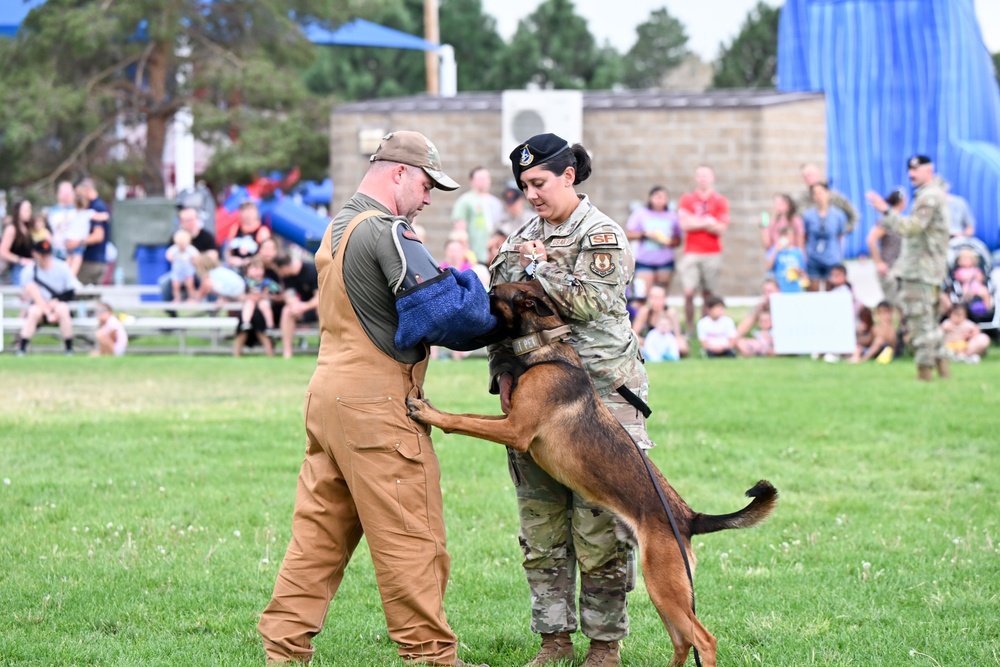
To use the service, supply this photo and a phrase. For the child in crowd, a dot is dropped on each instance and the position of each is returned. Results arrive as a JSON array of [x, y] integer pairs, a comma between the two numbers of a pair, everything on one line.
[[40, 229], [260, 291], [112, 339], [761, 342], [218, 281], [962, 337], [787, 262], [77, 231], [717, 331], [181, 256], [881, 341], [661, 342], [456, 255], [971, 281]]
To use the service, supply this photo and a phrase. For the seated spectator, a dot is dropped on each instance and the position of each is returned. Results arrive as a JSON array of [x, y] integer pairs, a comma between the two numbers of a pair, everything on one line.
[[47, 285], [717, 331], [217, 282], [768, 287], [787, 262], [181, 256], [245, 238], [962, 337], [257, 316], [301, 283], [761, 342], [662, 342], [837, 282], [203, 241], [882, 341], [825, 228], [785, 216], [112, 339], [654, 231], [651, 310]]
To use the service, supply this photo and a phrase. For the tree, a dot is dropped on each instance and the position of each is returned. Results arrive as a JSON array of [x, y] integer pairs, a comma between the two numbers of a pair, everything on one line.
[[552, 48], [660, 47], [478, 45], [77, 69], [751, 59]]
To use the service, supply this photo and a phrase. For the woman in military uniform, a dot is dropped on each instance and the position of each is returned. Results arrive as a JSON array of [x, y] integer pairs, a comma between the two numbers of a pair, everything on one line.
[[583, 261]]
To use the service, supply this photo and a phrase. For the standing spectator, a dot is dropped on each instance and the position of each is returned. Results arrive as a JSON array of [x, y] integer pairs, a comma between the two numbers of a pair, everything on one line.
[[583, 261], [960, 218], [77, 231], [811, 175], [477, 212], [246, 237], [182, 255], [15, 242], [883, 248], [202, 240], [301, 283], [717, 331], [825, 228], [112, 339], [704, 216], [787, 262], [368, 469], [95, 253], [922, 264], [962, 338], [514, 214], [60, 215], [785, 216], [654, 231], [47, 285]]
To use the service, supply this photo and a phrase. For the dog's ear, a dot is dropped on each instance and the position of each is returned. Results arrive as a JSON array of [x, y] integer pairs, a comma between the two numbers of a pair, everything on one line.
[[539, 306]]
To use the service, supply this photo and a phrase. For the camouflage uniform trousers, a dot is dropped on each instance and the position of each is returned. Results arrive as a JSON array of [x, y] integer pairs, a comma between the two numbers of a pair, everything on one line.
[[920, 306], [557, 527]]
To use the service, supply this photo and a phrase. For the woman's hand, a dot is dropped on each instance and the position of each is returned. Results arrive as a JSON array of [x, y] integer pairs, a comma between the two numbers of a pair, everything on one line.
[[532, 251], [506, 382]]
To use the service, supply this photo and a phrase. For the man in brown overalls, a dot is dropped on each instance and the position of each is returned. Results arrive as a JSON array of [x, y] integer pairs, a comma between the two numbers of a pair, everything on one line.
[[368, 469]]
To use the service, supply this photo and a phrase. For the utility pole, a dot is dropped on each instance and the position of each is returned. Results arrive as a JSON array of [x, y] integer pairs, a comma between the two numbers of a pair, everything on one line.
[[432, 34]]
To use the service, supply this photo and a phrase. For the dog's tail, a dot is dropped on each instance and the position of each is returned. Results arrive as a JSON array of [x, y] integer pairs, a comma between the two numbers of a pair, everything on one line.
[[765, 497]]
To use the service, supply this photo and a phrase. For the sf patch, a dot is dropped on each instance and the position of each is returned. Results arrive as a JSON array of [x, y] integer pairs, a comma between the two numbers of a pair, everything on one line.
[[603, 238], [602, 265]]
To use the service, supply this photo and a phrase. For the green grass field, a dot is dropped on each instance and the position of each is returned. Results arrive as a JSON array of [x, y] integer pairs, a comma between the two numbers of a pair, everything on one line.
[[146, 502]]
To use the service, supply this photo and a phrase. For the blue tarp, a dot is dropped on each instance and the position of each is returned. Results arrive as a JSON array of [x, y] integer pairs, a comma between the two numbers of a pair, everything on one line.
[[365, 33], [900, 77]]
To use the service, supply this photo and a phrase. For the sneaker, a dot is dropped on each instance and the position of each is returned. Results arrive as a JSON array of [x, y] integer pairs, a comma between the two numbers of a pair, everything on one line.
[[830, 358], [19, 352], [245, 326], [972, 359], [68, 353]]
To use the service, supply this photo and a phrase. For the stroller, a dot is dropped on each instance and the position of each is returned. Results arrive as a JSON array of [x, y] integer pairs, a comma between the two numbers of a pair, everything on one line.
[[986, 315]]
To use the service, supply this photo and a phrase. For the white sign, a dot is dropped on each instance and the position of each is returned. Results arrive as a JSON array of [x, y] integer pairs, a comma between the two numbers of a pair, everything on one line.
[[813, 322]]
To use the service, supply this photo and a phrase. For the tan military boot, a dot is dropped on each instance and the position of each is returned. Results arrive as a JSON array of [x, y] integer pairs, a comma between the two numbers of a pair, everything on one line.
[[925, 373], [555, 646], [943, 368], [602, 654]]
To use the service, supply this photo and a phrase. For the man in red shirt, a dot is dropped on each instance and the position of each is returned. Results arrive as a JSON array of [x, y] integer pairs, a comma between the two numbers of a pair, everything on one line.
[[704, 216]]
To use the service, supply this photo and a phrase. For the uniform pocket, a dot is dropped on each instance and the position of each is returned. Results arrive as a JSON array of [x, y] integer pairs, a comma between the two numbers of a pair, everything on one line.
[[412, 497], [371, 424]]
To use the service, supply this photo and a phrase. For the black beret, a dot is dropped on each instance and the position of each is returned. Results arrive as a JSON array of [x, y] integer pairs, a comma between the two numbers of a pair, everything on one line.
[[535, 151], [918, 160]]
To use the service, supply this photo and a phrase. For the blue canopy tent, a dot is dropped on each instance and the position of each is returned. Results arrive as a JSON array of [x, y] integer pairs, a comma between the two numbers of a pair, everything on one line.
[[365, 33], [900, 77]]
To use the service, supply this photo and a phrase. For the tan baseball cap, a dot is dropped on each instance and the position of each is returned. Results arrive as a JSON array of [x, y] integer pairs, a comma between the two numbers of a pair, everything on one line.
[[416, 150]]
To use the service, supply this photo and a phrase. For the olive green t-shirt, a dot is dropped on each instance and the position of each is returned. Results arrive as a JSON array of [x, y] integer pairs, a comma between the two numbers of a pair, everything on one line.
[[371, 267]]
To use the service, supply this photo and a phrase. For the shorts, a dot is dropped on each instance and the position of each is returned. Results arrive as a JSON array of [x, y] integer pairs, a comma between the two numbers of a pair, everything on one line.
[[669, 266], [309, 317], [700, 271], [818, 270]]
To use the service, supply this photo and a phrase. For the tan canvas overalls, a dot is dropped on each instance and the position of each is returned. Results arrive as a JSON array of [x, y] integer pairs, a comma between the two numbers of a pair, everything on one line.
[[368, 470]]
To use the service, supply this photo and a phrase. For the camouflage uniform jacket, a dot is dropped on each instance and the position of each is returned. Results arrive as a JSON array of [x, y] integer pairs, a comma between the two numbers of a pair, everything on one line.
[[588, 267], [924, 253], [837, 200]]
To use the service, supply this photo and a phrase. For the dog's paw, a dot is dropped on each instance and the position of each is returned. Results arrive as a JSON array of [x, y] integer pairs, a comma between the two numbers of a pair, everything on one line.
[[418, 409]]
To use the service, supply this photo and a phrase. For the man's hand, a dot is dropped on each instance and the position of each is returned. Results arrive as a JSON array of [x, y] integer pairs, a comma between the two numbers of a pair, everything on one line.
[[881, 267], [877, 202], [506, 383]]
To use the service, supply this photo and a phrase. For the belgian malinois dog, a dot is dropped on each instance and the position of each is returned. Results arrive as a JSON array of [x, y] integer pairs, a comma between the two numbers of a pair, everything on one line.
[[556, 414]]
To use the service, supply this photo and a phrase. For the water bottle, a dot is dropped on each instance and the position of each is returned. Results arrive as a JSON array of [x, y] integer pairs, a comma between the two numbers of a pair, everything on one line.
[[119, 276]]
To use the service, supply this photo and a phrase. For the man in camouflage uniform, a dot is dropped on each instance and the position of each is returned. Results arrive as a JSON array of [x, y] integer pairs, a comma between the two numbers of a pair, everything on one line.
[[922, 263], [584, 264], [811, 175]]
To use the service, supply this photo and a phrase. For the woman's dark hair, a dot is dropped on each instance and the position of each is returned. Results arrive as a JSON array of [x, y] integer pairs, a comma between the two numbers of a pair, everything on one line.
[[21, 236], [792, 208], [653, 191], [576, 157], [895, 197]]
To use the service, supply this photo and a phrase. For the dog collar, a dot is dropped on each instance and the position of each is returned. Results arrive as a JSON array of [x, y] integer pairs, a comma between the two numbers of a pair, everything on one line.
[[534, 341]]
